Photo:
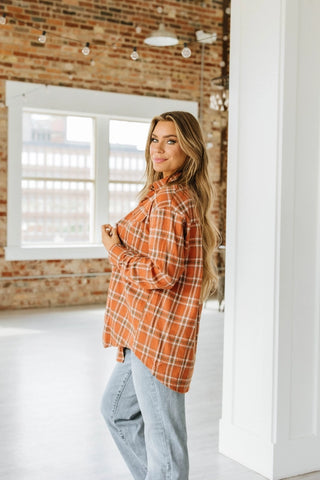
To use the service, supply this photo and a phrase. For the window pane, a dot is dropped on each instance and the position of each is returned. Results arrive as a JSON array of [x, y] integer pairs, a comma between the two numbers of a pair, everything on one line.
[[122, 199], [127, 143], [57, 146], [56, 212]]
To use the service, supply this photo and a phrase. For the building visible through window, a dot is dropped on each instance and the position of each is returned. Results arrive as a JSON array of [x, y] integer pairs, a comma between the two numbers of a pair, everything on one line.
[[126, 165], [59, 176]]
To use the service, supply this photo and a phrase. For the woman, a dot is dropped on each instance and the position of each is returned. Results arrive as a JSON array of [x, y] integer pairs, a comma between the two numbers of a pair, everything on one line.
[[162, 256]]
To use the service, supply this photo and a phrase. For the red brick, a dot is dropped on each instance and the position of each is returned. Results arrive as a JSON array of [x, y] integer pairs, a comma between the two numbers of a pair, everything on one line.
[[160, 72]]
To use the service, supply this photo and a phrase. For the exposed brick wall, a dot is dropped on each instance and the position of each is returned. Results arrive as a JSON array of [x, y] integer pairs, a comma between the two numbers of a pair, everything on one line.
[[110, 27]]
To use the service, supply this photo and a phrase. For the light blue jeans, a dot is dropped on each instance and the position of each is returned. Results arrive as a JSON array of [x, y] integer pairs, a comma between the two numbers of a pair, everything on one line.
[[147, 421]]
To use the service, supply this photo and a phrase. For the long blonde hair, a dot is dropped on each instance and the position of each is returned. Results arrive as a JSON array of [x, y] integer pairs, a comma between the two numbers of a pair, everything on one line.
[[193, 174]]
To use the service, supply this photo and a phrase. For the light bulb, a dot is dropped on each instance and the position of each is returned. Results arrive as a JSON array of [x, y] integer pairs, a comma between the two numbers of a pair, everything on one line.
[[186, 52], [86, 49], [134, 54], [3, 19], [42, 38]]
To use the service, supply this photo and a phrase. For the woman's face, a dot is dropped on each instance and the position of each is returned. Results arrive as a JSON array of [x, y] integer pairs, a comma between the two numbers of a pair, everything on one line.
[[166, 154]]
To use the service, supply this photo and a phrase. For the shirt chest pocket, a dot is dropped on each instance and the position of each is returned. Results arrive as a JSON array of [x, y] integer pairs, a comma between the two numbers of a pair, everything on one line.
[[134, 229]]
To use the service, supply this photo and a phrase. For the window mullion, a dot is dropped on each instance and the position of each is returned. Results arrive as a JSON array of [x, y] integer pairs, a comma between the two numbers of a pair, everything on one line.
[[101, 174]]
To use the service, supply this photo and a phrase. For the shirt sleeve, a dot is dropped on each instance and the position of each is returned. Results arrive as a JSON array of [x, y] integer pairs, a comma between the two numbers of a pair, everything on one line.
[[163, 263]]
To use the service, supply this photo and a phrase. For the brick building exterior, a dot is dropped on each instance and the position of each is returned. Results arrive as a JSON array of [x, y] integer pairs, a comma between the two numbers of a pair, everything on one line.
[[112, 28]]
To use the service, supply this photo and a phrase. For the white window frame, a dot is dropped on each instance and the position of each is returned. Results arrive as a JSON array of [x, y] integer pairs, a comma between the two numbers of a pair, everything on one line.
[[72, 101]]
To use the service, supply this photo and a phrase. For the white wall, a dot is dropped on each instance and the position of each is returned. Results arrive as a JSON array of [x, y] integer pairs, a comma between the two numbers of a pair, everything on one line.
[[270, 419]]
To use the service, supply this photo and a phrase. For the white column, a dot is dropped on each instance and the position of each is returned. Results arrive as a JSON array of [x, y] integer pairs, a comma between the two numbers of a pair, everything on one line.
[[271, 395]]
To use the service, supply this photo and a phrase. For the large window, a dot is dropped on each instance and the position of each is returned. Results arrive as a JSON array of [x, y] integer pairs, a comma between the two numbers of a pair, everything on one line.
[[76, 160], [58, 176]]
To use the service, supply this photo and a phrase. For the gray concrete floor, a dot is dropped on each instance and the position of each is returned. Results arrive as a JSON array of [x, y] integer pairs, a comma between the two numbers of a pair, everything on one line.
[[53, 370]]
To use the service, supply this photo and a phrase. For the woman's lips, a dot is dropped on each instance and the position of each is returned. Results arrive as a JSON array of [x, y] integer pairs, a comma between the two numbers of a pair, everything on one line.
[[159, 160]]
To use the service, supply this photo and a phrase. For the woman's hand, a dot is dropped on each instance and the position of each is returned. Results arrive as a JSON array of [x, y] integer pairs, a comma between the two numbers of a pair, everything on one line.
[[109, 236]]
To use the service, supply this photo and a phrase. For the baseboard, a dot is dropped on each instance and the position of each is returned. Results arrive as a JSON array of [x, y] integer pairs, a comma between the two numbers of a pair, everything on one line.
[[273, 461]]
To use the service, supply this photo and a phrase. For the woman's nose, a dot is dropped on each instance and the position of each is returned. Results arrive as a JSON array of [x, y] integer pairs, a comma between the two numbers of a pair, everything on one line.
[[159, 146]]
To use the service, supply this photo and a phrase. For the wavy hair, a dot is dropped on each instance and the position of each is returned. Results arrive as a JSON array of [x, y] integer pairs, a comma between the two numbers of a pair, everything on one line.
[[193, 174]]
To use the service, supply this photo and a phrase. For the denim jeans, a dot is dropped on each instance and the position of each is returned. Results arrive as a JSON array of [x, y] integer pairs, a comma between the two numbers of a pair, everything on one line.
[[147, 422]]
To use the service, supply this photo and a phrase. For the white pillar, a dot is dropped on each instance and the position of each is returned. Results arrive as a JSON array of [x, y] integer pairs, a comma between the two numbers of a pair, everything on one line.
[[271, 394]]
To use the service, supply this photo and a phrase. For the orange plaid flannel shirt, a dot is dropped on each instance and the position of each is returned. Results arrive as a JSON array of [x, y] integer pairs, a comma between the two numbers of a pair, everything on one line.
[[153, 304]]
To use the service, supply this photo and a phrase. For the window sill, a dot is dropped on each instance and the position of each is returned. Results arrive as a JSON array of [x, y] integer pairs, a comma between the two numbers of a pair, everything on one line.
[[39, 252]]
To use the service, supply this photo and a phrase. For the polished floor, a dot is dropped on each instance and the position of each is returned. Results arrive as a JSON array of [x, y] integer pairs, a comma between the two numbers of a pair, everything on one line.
[[53, 370]]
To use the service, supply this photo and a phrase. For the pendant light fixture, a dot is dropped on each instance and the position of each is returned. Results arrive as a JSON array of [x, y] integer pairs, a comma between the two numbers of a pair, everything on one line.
[[161, 37]]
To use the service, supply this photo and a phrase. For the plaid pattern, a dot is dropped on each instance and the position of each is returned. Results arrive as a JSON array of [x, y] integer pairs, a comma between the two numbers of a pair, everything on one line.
[[153, 305]]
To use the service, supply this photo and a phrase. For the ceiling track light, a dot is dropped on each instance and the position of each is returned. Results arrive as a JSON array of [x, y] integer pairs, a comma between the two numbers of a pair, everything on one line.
[[204, 37]]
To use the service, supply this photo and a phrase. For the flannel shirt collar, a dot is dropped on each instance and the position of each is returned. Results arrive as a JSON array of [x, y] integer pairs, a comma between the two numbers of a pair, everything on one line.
[[159, 183]]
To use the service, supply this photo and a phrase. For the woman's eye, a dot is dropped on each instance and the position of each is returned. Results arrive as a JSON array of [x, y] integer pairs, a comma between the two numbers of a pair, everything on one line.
[[170, 141]]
